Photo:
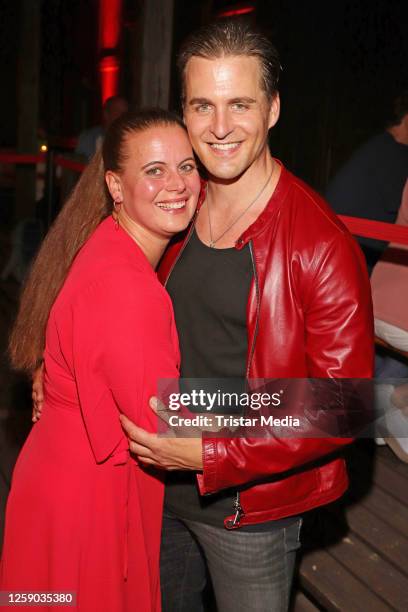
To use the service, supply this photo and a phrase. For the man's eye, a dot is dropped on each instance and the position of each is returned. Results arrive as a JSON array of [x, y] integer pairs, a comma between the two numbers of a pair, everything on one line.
[[203, 108], [154, 171], [239, 106]]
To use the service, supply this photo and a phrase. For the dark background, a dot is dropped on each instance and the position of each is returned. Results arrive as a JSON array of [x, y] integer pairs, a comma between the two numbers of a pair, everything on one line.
[[343, 61]]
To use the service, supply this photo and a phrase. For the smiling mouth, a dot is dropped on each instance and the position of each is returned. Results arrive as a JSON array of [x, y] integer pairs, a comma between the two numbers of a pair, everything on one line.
[[171, 205], [227, 146]]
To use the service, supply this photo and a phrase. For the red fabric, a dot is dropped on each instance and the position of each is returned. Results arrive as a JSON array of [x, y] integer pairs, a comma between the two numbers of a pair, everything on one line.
[[310, 316], [82, 515]]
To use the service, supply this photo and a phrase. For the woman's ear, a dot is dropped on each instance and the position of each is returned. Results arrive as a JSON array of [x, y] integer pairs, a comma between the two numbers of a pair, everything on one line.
[[114, 186]]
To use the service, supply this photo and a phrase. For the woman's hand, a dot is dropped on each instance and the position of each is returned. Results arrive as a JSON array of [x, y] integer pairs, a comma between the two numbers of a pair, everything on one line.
[[37, 393]]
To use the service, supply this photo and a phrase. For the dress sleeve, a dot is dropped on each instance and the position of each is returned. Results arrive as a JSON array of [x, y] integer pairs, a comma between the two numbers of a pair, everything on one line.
[[123, 342]]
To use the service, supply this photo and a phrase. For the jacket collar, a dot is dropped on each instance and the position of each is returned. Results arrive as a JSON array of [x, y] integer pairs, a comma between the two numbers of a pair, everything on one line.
[[275, 202]]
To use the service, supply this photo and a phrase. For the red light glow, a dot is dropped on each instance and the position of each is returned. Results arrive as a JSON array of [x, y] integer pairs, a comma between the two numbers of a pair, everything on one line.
[[109, 23], [109, 71], [110, 15], [238, 11]]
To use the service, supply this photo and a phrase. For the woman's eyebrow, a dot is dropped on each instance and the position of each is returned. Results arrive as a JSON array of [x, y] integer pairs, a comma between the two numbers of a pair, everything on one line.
[[187, 159], [153, 162]]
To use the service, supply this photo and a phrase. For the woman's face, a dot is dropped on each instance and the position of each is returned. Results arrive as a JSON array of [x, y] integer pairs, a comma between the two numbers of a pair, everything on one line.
[[159, 184]]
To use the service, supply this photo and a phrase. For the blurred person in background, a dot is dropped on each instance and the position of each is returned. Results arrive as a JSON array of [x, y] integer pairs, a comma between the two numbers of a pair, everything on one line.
[[389, 283], [90, 140], [370, 184]]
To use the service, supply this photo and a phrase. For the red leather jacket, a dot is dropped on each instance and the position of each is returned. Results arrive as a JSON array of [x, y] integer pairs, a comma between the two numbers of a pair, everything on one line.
[[309, 315]]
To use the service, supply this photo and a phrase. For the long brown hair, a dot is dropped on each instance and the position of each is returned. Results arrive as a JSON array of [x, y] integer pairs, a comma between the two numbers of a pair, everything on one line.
[[84, 210]]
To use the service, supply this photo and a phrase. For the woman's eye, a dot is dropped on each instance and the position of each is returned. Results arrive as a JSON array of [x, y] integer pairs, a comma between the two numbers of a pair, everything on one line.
[[187, 168], [154, 172]]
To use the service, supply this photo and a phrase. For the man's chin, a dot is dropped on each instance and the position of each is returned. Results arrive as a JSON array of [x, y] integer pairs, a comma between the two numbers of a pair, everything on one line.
[[225, 177]]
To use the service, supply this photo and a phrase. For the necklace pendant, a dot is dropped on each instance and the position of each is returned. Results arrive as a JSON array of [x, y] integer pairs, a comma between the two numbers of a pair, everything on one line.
[[212, 244]]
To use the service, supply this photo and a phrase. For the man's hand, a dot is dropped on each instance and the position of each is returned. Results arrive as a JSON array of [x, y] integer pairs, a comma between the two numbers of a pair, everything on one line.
[[399, 398], [163, 453], [37, 393]]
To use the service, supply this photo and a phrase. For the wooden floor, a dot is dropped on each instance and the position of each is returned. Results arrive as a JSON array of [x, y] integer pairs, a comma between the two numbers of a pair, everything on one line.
[[356, 552], [363, 564]]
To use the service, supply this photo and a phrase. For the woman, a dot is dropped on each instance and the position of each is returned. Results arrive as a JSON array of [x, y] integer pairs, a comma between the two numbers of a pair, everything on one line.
[[82, 516], [389, 284]]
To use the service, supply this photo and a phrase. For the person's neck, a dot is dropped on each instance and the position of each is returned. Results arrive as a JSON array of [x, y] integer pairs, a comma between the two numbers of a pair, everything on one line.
[[152, 246], [400, 132], [225, 194]]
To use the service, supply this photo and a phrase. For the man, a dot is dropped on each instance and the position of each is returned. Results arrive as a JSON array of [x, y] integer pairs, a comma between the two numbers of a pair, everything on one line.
[[266, 283], [91, 139], [370, 184]]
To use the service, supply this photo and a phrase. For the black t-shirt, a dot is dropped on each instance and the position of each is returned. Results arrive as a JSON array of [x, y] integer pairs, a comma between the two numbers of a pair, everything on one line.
[[209, 289], [370, 186]]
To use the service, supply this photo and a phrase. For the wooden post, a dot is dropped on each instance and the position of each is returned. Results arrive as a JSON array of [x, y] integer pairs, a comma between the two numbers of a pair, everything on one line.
[[27, 103], [155, 50]]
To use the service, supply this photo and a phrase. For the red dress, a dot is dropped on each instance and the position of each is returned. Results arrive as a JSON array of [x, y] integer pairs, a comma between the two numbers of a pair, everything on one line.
[[82, 515]]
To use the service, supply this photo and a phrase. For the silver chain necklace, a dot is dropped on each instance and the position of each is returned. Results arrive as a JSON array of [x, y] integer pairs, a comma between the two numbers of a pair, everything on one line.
[[214, 242]]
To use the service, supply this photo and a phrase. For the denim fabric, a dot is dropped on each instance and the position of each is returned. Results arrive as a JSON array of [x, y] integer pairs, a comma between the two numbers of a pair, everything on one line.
[[250, 571]]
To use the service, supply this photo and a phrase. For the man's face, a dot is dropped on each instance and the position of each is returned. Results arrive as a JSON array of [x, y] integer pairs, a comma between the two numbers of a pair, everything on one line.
[[227, 114]]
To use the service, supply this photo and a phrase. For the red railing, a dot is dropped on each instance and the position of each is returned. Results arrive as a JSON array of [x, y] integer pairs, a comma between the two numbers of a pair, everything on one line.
[[389, 232]]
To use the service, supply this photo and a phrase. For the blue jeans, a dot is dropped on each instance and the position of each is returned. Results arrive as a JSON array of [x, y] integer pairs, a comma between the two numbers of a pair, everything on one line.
[[250, 571]]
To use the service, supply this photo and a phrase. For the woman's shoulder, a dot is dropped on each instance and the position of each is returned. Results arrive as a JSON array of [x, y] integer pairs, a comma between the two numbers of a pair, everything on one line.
[[110, 267]]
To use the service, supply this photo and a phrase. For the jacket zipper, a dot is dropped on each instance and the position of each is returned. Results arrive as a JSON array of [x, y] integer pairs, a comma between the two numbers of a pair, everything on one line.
[[232, 523], [238, 509], [186, 241], [258, 307]]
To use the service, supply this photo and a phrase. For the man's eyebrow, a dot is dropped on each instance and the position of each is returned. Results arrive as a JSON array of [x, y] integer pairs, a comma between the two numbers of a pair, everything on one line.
[[244, 99], [199, 101]]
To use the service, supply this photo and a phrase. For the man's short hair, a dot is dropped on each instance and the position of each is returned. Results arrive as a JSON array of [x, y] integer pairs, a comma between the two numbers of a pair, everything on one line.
[[232, 37], [399, 109]]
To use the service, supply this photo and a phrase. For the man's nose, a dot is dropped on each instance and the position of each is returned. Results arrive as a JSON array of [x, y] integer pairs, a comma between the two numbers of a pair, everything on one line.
[[221, 124]]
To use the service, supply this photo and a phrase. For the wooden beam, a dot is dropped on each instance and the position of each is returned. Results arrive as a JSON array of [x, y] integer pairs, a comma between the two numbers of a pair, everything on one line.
[[156, 48], [27, 103]]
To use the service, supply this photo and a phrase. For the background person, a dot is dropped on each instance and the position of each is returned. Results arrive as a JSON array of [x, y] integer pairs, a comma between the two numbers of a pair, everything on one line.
[[370, 184], [90, 140], [389, 283]]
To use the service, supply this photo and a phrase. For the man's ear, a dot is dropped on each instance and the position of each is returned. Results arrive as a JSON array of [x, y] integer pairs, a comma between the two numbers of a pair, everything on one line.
[[274, 111], [114, 185]]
